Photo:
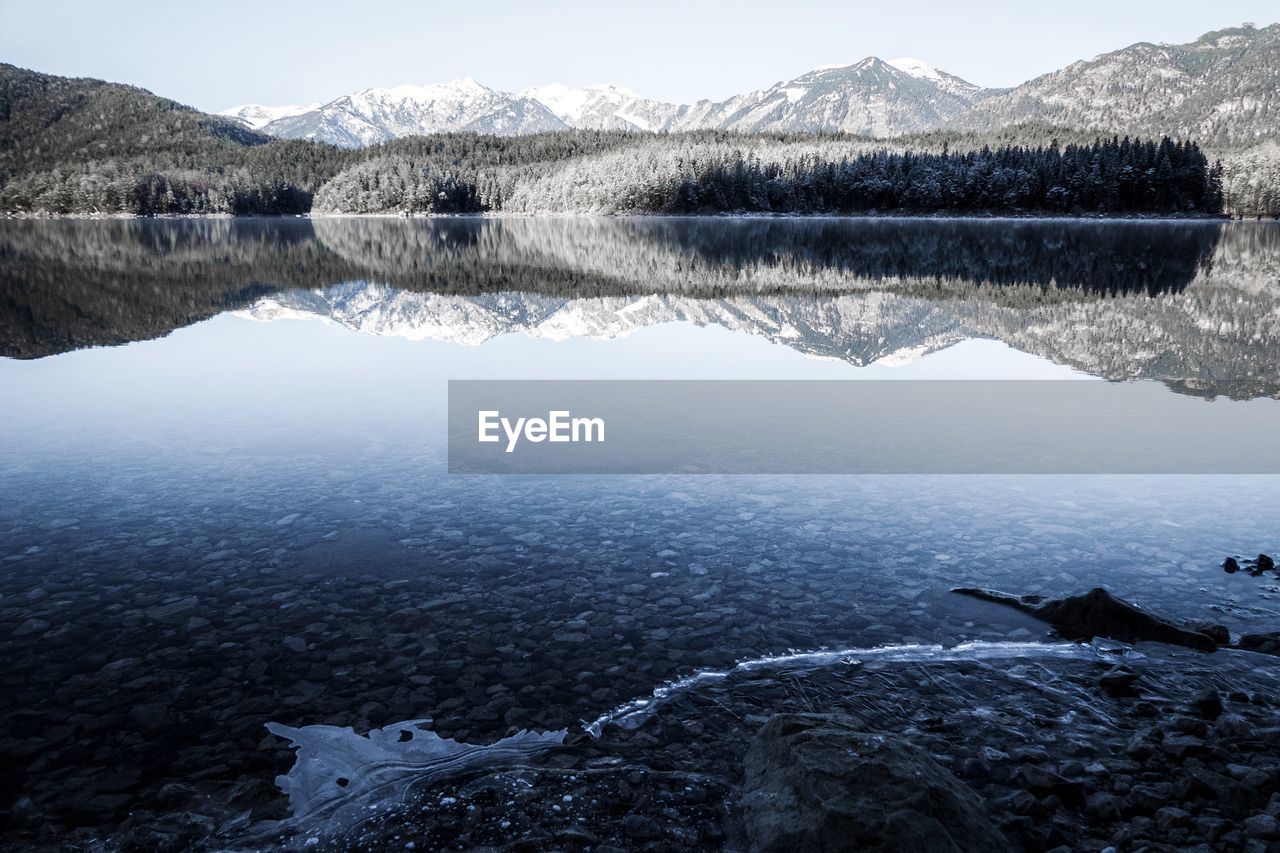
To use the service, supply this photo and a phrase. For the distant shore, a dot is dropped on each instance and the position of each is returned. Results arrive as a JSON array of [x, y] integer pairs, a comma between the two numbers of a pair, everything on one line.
[[1089, 217]]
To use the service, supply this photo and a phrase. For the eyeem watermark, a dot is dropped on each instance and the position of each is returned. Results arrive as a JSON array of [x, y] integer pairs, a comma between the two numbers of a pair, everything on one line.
[[855, 427], [558, 427]]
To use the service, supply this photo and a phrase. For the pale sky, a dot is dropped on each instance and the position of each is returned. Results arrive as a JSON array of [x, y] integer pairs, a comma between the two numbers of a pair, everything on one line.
[[213, 55]]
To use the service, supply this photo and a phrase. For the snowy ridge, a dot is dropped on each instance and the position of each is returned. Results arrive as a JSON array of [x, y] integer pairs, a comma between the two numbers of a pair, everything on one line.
[[258, 116], [869, 96], [1223, 87], [377, 115]]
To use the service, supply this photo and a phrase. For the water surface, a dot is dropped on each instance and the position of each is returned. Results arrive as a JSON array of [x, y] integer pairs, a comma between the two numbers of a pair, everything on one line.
[[223, 498]]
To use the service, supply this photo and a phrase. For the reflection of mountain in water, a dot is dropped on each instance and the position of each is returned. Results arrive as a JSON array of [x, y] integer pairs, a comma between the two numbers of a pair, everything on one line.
[[859, 329], [1121, 338], [1194, 304]]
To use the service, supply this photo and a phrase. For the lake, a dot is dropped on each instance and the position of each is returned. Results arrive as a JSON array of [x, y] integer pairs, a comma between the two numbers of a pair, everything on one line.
[[224, 502]]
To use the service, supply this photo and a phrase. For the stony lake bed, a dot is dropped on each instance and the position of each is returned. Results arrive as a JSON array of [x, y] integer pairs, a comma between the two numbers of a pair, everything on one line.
[[246, 521]]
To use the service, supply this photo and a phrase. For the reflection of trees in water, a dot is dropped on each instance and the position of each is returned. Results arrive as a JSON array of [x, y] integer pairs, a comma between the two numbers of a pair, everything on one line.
[[1111, 257], [68, 284], [817, 254], [1184, 301]]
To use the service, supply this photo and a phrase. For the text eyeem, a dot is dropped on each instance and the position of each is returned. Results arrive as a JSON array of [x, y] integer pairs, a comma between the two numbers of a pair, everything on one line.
[[558, 426]]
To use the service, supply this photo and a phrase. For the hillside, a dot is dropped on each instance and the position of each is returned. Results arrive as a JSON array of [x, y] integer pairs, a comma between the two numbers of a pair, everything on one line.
[[48, 121], [70, 145], [1222, 89]]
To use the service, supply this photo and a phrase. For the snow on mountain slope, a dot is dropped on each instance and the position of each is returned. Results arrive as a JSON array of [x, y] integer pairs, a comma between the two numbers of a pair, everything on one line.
[[257, 116], [871, 97], [377, 115], [924, 71], [1223, 89], [603, 107]]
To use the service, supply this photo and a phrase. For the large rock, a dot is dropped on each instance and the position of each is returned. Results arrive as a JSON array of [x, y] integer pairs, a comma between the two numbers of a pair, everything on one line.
[[1098, 613], [1268, 644], [818, 782]]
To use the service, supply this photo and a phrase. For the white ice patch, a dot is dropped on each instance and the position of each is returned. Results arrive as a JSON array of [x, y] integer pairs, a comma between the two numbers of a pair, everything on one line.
[[631, 714], [339, 777]]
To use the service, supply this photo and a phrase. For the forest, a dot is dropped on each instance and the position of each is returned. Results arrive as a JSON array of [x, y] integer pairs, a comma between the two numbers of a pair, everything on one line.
[[87, 147], [598, 172]]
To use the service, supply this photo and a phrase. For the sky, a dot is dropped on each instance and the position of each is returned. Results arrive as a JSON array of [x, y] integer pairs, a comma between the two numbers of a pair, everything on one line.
[[213, 55]]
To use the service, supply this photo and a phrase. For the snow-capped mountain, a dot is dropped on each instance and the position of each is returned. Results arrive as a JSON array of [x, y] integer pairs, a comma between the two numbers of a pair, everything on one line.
[[870, 97], [1223, 88], [604, 107], [923, 70], [377, 115], [258, 116]]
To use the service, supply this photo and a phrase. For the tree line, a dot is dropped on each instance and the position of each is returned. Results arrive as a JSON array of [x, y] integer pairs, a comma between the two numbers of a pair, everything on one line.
[[614, 172]]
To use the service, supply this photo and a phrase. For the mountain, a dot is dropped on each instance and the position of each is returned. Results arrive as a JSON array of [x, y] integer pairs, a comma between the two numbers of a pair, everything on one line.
[[48, 121], [870, 97], [378, 115], [257, 116], [604, 107], [1222, 89]]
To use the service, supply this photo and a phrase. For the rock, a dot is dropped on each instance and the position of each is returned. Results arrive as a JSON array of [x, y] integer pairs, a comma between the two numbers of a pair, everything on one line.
[[1265, 563], [1268, 643], [1230, 566], [818, 782], [1233, 725], [1218, 633], [1119, 682], [31, 626], [1261, 826], [640, 828], [1104, 806], [1208, 704], [574, 835], [1169, 817], [1144, 799], [1041, 781], [1098, 613]]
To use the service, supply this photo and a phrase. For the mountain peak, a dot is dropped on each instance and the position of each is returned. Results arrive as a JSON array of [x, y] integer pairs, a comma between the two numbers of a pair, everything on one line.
[[860, 65], [464, 87], [915, 67]]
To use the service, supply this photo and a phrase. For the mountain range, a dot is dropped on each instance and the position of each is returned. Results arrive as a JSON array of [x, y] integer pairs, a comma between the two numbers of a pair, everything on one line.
[[1223, 89]]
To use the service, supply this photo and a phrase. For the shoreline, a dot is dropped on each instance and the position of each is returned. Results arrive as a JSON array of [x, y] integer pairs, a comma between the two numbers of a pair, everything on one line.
[[939, 216]]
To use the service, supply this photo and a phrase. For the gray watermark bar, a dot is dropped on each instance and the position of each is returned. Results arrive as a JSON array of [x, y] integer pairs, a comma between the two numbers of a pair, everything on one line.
[[854, 427]]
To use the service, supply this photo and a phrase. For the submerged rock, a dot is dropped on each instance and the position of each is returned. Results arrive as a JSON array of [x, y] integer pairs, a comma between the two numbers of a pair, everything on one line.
[[1256, 567], [1098, 613], [819, 782], [1268, 643], [1119, 682]]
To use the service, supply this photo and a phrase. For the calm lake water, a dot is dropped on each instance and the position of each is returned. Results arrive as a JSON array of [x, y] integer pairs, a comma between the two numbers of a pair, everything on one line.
[[224, 503]]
